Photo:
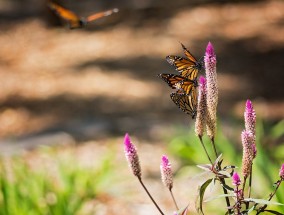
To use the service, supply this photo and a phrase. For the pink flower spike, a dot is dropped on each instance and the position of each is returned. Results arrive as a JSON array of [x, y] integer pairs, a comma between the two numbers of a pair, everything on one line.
[[201, 107], [132, 156], [166, 172], [210, 50], [202, 81], [247, 140], [212, 90], [281, 172], [236, 179], [250, 117]]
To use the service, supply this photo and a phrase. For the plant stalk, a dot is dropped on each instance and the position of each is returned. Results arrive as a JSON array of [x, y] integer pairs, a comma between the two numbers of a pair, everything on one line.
[[159, 209], [174, 200], [201, 140], [222, 180]]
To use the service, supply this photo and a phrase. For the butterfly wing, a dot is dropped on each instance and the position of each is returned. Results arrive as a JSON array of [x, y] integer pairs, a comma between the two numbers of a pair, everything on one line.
[[188, 54], [178, 82], [188, 67], [180, 63], [186, 103], [101, 14], [73, 20]]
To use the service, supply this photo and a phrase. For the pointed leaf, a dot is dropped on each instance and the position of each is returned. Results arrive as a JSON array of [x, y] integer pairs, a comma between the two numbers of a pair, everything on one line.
[[227, 187], [217, 160], [183, 211], [206, 167], [229, 167], [224, 173], [199, 200], [251, 209], [262, 201], [274, 212]]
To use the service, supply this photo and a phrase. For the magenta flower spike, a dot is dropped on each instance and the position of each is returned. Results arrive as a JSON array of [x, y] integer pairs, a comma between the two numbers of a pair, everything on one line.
[[236, 181], [281, 172], [250, 117], [132, 156], [247, 140], [166, 172], [212, 90], [201, 108]]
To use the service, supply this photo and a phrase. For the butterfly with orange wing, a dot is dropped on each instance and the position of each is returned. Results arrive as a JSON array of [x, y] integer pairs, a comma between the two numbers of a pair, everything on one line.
[[187, 103], [188, 67], [183, 85], [73, 20], [185, 97]]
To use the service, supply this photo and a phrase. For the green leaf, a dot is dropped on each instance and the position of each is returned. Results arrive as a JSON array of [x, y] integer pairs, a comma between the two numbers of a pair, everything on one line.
[[230, 167], [206, 167], [251, 209], [199, 200], [262, 201], [224, 173], [274, 212]]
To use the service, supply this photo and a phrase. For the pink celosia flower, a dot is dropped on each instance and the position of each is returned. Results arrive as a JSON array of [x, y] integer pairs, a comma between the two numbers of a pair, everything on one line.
[[201, 108], [166, 172], [281, 172], [247, 140], [132, 156], [250, 117], [236, 179], [250, 123], [212, 90]]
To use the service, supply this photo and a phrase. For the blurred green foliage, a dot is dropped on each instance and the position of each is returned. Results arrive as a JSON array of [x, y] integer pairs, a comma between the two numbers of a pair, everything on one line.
[[60, 186], [270, 153]]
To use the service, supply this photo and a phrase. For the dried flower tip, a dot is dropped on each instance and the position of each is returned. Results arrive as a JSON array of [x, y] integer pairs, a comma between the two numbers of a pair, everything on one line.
[[247, 139], [281, 172], [201, 108], [212, 90], [166, 172], [236, 179], [250, 118], [132, 156]]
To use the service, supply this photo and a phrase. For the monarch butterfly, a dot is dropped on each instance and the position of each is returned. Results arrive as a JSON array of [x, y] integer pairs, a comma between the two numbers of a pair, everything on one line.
[[74, 21], [188, 67], [187, 103], [183, 85]]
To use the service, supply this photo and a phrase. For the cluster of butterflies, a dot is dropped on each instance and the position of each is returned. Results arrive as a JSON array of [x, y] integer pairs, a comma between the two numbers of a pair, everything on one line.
[[185, 83], [73, 20]]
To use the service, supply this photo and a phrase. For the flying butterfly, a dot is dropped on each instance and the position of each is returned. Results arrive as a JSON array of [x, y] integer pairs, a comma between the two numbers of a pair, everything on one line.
[[182, 84], [187, 103], [188, 67], [73, 20]]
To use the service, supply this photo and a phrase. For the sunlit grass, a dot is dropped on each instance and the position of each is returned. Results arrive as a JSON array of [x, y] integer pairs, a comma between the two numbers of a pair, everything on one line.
[[52, 182]]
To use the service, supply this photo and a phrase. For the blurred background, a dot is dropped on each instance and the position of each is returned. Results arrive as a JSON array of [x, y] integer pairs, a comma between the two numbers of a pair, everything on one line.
[[68, 97]]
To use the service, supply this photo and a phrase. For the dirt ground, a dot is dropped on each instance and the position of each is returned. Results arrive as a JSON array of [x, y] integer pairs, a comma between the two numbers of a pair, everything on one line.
[[91, 84]]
